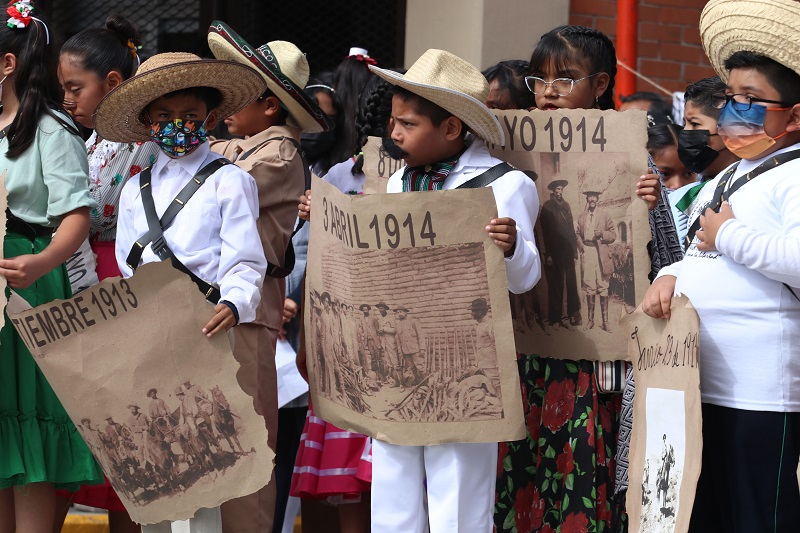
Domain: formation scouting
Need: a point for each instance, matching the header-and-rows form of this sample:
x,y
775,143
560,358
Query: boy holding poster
x,y
435,102
745,235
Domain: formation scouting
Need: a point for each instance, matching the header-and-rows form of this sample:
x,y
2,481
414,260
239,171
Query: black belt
x,y
28,230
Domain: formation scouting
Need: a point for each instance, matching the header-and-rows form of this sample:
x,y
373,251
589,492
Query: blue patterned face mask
x,y
178,137
742,130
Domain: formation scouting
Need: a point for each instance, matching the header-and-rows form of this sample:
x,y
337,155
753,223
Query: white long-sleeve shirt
x,y
516,197
214,235
749,321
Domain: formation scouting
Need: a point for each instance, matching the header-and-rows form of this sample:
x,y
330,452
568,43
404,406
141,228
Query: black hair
x,y
35,82
374,112
657,104
783,79
662,136
101,50
284,111
424,107
567,45
348,82
510,75
700,92
209,95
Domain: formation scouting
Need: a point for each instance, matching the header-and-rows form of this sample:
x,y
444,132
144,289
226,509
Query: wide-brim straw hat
x,y
119,115
454,85
282,65
765,27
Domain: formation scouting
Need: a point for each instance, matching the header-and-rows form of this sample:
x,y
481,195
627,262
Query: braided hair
x,y
374,112
568,45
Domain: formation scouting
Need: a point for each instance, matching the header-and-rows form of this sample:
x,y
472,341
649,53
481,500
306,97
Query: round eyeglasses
x,y
562,86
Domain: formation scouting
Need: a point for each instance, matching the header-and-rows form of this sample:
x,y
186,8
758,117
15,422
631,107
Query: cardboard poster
x,y
667,439
594,260
157,402
408,327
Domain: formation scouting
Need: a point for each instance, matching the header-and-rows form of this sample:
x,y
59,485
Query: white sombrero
x,y
282,65
453,84
765,27
119,115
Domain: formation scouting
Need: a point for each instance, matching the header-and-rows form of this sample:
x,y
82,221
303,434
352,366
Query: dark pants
x,y
748,481
290,426
560,272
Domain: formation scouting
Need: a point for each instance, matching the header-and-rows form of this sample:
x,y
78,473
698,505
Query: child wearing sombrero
x,y
434,105
742,274
192,206
271,127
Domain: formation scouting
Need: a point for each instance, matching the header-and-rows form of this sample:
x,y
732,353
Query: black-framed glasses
x,y
741,102
562,86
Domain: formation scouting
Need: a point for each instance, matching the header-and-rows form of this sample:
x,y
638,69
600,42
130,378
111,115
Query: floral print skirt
x,y
560,478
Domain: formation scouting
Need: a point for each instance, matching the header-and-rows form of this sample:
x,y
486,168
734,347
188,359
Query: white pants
x,y
460,487
204,521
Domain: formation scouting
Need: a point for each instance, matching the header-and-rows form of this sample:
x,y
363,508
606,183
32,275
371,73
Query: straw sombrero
x,y
766,27
282,65
453,84
118,115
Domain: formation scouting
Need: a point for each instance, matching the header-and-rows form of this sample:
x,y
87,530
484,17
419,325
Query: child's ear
x,y
271,106
794,119
453,128
9,64
113,79
602,82
212,119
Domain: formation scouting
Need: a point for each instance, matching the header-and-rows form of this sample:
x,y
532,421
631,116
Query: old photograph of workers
x,y
156,401
408,328
666,445
592,230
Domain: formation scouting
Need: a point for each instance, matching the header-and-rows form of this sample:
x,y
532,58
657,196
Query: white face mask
x,y
1,90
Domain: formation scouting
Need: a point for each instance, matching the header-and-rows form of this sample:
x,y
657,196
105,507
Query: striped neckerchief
x,y
429,177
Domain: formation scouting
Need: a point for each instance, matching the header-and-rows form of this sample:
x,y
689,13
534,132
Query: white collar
x,y
475,156
189,163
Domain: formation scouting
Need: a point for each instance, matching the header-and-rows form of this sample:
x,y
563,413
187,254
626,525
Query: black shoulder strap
x,y
723,192
156,226
273,270
482,180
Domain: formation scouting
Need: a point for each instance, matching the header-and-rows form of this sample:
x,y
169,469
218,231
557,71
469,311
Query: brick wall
x,y
669,49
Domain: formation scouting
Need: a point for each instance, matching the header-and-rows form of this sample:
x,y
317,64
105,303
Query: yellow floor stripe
x,y
86,523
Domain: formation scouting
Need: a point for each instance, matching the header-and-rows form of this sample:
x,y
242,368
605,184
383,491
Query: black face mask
x,y
316,145
391,148
694,151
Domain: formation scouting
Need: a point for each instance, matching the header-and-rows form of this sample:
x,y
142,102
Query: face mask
x,y
743,131
178,137
316,145
391,148
1,89
694,151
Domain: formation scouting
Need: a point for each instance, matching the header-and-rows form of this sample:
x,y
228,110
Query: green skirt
x,y
38,441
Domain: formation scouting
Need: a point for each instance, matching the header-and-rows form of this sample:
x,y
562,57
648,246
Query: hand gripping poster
x,y
592,230
666,442
156,401
407,321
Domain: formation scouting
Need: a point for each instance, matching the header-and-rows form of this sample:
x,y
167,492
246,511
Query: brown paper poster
x,y
3,207
666,442
156,401
378,166
408,330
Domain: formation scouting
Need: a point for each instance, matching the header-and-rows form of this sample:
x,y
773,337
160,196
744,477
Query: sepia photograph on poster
x,y
156,401
666,440
407,324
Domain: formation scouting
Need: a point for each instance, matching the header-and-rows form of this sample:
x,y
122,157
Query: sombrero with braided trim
x,y
282,65
765,27
454,85
119,115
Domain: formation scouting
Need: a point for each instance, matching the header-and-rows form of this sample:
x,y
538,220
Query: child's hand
x,y
304,207
710,223
658,297
290,309
22,271
648,188
223,320
503,232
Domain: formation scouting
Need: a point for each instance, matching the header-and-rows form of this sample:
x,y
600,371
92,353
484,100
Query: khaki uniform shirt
x,y
278,170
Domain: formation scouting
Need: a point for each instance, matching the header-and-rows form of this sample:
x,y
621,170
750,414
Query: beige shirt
x,y
278,170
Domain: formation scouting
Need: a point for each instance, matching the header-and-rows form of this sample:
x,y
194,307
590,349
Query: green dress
x,y
38,441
